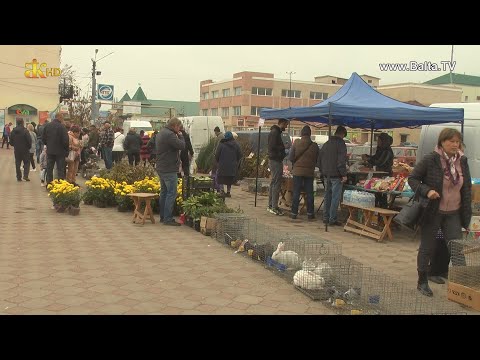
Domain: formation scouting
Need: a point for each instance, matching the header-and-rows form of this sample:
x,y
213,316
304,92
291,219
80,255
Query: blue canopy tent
x,y
357,105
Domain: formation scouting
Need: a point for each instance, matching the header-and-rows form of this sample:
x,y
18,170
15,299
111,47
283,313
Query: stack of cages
x,y
464,273
193,185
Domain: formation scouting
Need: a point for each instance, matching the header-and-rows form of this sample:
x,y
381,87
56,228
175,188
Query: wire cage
x,y
232,228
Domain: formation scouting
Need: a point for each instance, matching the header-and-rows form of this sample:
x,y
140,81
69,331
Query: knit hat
x,y
228,135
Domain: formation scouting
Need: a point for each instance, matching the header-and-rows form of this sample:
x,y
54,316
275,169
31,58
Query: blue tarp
x,y
357,105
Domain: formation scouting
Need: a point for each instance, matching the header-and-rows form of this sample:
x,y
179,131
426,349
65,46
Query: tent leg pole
x,y
258,163
371,141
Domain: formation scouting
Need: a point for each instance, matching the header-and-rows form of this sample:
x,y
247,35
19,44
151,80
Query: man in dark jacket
x,y
55,136
168,144
187,154
276,154
332,162
228,156
132,145
21,140
39,145
93,137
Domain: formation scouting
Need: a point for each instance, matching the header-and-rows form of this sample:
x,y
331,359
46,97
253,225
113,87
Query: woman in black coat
x,y
443,177
228,156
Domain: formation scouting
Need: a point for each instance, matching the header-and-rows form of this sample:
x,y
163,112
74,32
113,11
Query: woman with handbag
x,y
73,158
303,156
443,177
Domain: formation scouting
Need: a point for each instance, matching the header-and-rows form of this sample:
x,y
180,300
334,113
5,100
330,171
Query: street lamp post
x,y
93,111
290,95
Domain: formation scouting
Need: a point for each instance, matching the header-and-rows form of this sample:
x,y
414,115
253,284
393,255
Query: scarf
x,y
450,170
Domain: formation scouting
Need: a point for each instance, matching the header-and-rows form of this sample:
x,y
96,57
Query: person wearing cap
x,y
228,156
276,154
107,139
332,162
303,155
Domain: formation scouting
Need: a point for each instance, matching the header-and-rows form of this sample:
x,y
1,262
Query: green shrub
x,y
248,167
205,157
125,172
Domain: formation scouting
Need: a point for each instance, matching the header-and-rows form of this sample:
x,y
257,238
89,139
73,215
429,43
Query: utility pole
x,y
451,62
290,96
94,89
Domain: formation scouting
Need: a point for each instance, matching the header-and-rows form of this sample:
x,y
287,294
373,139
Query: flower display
x,y
122,189
148,185
100,190
64,194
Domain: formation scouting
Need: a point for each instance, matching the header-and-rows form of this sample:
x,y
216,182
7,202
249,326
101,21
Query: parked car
x,y
409,144
407,155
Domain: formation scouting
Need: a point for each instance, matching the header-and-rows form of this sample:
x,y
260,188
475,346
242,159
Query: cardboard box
x,y
207,225
475,223
464,295
476,193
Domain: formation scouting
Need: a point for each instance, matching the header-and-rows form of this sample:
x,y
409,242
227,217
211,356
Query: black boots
x,y
422,285
436,279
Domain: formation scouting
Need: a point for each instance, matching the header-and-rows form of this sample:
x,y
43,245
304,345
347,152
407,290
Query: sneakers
x,y
26,179
277,212
34,169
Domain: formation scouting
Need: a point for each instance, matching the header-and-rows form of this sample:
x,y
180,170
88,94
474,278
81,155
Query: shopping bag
x,y
412,213
72,154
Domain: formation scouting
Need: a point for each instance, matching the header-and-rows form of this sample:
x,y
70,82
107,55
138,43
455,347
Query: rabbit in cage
x,y
324,270
288,258
308,280
308,265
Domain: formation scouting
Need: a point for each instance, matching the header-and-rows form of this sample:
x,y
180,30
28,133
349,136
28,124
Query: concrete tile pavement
x,y
101,263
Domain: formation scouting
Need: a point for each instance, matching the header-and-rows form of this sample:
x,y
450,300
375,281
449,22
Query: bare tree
x,y
78,105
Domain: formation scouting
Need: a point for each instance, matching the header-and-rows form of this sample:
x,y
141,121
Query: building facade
x,y
29,79
469,84
239,100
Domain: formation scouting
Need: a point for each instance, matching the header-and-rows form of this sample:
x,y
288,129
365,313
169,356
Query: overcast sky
x,y
168,72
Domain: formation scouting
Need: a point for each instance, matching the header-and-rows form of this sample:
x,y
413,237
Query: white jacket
x,y
118,141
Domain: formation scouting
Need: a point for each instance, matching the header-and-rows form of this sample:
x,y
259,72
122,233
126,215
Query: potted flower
x,y
124,202
149,185
100,191
64,196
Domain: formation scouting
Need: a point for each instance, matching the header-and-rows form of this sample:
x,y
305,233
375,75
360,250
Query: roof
x,y
456,78
357,105
125,97
186,108
140,96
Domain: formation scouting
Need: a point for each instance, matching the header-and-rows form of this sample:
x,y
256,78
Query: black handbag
x,y
412,213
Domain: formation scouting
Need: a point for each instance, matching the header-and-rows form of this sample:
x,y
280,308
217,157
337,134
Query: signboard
x,y
105,92
132,107
261,121
64,109
22,110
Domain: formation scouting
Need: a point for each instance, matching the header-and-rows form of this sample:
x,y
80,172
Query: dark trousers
x,y
61,164
441,257
25,158
32,162
305,182
134,156
452,230
5,140
117,157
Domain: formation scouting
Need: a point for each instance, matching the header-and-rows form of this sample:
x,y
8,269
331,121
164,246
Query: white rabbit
x,y
308,280
324,270
288,258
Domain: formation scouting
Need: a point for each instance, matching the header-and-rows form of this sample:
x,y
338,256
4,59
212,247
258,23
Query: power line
x,y
37,92
16,83
21,67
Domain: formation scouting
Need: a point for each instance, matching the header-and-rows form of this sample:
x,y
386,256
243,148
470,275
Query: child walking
x,y
43,166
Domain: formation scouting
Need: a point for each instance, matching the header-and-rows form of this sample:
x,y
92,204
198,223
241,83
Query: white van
x,y
471,134
138,125
200,129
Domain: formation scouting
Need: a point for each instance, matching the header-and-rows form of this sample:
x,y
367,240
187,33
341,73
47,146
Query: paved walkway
x,y
101,263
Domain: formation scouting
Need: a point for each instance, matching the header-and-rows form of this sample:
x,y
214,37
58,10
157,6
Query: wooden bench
x,y
366,228
138,199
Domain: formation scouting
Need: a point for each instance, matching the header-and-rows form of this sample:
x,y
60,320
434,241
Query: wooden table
x,y
138,199
366,228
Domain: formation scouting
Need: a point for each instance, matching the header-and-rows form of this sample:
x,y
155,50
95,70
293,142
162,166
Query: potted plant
x,y
100,191
124,202
64,196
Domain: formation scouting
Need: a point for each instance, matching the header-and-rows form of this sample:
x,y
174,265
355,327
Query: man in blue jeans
x,y
168,144
332,162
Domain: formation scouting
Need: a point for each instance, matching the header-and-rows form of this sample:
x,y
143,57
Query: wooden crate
x,y
207,225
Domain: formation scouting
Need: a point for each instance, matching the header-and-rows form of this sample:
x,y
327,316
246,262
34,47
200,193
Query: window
x,y
214,111
226,92
205,112
261,91
466,98
478,97
205,96
403,138
215,94
237,91
369,81
237,110
225,112
291,93
240,122
255,110
318,95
